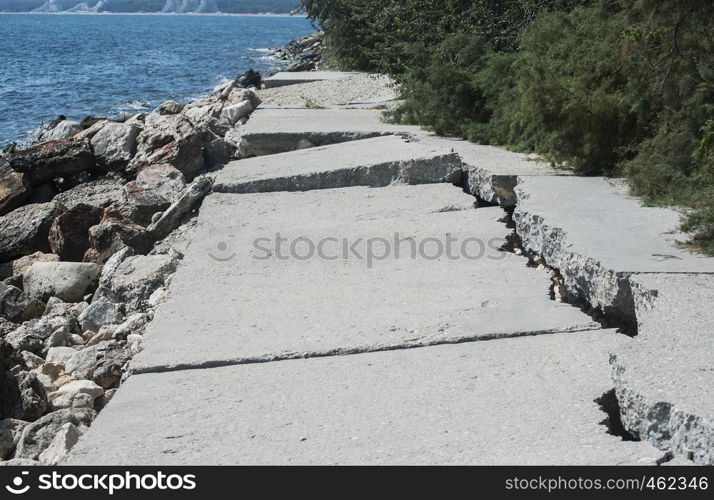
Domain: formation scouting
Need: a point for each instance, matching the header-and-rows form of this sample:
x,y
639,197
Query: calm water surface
x,y
80,65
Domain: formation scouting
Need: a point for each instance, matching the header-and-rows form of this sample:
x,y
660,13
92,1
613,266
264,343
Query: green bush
x,y
604,87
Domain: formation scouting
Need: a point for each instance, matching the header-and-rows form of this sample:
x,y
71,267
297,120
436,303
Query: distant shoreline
x,y
214,14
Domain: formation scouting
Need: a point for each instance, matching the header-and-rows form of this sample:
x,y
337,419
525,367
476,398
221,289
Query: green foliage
x,y
604,87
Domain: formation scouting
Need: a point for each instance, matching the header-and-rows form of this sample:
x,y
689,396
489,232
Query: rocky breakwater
x,y
89,223
303,54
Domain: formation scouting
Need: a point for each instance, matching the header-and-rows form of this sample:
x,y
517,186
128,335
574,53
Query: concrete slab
x,y
510,401
664,378
238,298
492,172
271,131
370,162
597,236
284,78
363,90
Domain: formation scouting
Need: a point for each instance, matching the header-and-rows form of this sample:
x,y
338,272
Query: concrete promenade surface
x,y
346,299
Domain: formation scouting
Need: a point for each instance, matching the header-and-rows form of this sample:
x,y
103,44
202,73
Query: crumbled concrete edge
x,y
439,168
496,189
661,423
584,276
269,143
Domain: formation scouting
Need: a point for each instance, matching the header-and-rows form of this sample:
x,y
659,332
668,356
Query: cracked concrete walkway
x,y
261,355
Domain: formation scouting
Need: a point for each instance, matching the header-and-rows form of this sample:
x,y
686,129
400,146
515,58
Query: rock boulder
x,y
53,159
69,233
25,230
69,281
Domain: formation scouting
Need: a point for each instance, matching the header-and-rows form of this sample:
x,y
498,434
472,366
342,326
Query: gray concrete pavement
x,y
272,131
508,401
492,172
263,357
284,78
258,307
369,162
597,236
664,378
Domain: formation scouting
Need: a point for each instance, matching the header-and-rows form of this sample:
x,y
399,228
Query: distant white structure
x,y
49,6
80,7
184,6
100,6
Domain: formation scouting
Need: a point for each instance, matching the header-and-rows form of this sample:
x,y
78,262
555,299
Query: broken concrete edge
x,y
585,277
440,168
417,344
263,144
661,423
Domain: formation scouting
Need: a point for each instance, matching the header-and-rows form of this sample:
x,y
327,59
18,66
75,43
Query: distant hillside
x,y
197,6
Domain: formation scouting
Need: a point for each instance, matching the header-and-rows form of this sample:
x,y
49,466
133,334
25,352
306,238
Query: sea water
x,y
101,65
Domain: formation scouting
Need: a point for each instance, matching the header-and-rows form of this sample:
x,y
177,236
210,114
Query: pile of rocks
x,y
89,219
303,54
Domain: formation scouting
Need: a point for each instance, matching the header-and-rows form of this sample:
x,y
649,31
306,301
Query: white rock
x,y
101,312
115,144
62,130
78,386
61,444
72,400
60,355
82,363
69,281
237,111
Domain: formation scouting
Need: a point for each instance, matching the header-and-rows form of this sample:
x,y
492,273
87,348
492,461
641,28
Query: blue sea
x,y
101,65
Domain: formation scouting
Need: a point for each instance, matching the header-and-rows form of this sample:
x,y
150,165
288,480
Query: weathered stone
x,y
6,326
61,444
169,108
39,435
13,188
174,140
235,112
115,145
189,199
30,336
78,386
25,230
114,233
63,130
10,432
134,324
59,356
23,397
60,401
100,313
219,152
69,233
154,189
112,357
19,266
70,281
31,361
20,462
100,193
135,279
91,130
49,160
82,363
17,306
